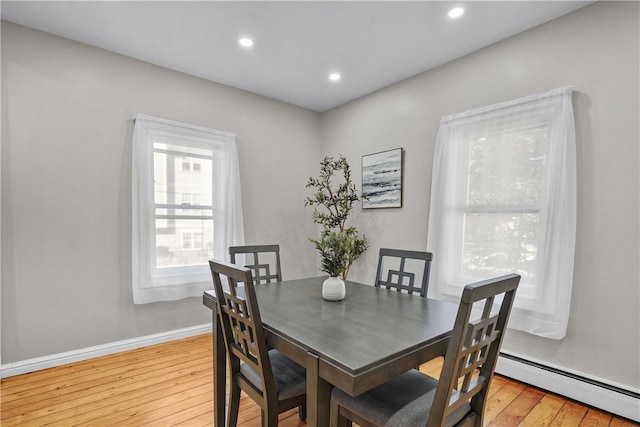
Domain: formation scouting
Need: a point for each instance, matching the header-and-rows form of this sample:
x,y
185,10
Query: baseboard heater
x,y
600,394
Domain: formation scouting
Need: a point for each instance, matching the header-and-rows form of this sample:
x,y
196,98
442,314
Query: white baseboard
x,y
44,362
615,398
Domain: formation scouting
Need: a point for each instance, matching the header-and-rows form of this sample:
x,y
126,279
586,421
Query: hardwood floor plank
x,y
501,399
57,384
497,383
184,414
70,389
151,410
596,418
433,367
94,394
85,413
178,411
170,384
545,411
83,409
620,422
570,415
204,419
291,419
514,413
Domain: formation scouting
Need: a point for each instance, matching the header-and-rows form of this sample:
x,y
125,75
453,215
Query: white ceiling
x,y
297,44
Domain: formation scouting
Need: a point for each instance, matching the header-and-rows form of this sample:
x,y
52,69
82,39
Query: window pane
x,y
507,168
195,183
198,241
186,240
190,242
160,177
182,242
500,243
173,175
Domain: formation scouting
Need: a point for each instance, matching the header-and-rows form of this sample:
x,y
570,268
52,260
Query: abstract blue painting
x,y
382,179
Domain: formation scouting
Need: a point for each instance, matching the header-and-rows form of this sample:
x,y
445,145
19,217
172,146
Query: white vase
x,y
333,289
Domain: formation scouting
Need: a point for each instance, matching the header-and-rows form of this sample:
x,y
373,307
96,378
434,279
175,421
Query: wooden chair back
x,y
264,272
242,329
473,350
401,278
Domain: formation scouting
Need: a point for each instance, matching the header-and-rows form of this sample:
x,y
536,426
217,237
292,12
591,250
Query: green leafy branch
x,y
339,246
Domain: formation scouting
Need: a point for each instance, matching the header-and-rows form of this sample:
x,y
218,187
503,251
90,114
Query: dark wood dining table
x,y
355,344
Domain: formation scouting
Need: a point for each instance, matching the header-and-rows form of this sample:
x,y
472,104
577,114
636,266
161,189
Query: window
x,y
504,200
190,165
194,240
186,207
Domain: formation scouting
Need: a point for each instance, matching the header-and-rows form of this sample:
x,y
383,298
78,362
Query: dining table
x,y
356,344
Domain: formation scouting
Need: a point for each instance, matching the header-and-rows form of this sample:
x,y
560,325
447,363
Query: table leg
x,y
219,373
318,394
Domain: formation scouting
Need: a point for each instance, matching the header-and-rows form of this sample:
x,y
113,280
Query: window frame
x,y
541,305
151,282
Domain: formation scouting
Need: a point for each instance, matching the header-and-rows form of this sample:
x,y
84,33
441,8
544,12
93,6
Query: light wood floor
x,y
171,385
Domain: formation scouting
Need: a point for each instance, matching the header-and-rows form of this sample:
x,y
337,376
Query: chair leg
x,y
302,412
335,418
234,405
269,418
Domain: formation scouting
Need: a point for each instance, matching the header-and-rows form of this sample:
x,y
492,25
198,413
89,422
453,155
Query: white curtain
x,y
503,199
152,281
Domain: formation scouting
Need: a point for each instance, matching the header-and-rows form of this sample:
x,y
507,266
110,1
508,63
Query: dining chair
x,y
262,272
397,270
272,380
459,397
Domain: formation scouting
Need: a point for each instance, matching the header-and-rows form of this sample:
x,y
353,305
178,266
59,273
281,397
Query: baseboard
x,y
38,363
615,398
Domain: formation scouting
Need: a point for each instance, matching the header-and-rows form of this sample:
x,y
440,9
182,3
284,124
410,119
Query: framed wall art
x,y
382,179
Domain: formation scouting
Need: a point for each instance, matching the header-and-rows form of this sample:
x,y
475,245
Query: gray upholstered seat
x,y
289,376
458,398
404,401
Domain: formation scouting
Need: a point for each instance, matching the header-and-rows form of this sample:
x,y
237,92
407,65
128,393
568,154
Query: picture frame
x,y
382,179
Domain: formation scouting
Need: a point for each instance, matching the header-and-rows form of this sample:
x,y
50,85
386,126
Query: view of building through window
x,y
183,205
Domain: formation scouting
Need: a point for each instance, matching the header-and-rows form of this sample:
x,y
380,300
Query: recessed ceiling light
x,y
456,12
245,42
334,77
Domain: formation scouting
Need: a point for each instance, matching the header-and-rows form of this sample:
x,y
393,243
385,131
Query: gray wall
x,y
66,129
595,49
66,178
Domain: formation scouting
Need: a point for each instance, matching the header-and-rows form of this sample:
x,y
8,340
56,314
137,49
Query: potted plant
x,y
339,246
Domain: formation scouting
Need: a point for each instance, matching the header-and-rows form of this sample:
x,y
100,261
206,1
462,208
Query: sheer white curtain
x,y
503,199
186,207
